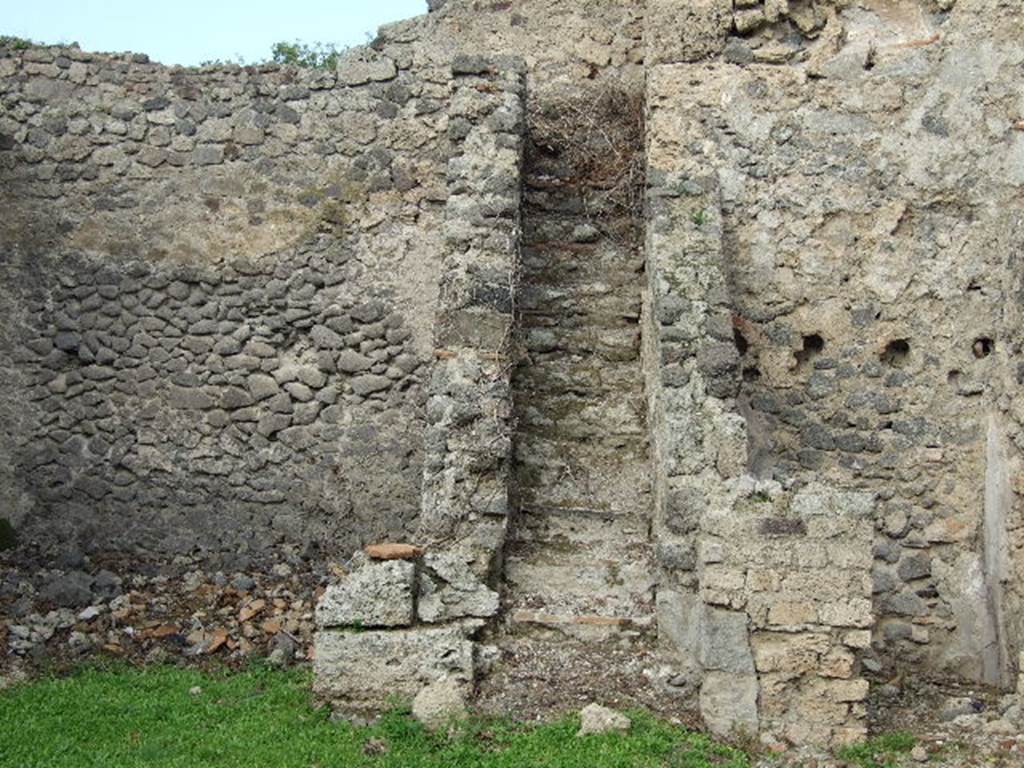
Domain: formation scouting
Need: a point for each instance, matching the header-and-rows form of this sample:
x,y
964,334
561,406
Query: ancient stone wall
x,y
222,287
255,304
784,613
846,201
866,264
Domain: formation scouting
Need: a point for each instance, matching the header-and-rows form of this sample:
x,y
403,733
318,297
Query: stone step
x,y
583,486
609,453
534,674
540,227
588,203
594,306
569,374
611,344
593,628
574,417
543,580
608,587
576,559
607,473
559,260
588,527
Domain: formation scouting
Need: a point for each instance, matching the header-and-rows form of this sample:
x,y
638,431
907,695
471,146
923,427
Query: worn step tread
x,y
524,616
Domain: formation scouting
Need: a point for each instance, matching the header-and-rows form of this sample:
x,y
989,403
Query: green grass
x,y
264,718
882,751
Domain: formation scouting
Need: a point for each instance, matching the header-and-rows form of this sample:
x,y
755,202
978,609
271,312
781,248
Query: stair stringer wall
x,y
764,598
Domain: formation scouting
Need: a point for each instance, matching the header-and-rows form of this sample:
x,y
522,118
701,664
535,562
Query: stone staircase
x,y
578,565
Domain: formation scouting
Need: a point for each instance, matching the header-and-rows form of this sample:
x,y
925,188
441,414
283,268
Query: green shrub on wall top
x,y
15,43
315,55
296,53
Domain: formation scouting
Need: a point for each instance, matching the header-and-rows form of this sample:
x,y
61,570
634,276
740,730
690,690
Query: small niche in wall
x,y
896,353
812,346
983,347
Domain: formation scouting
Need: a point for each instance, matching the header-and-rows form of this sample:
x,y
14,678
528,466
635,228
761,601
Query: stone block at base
x,y
369,671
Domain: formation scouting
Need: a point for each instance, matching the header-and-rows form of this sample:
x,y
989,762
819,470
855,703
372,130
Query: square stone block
x,y
368,671
380,594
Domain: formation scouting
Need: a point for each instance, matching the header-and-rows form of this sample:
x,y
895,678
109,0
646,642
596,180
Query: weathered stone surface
x,y
595,719
369,383
350,361
440,704
450,590
379,594
352,668
728,704
240,222
363,67
724,644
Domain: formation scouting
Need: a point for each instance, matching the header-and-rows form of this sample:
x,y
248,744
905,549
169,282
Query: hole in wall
x,y
983,347
742,345
812,346
870,58
953,378
896,353
751,374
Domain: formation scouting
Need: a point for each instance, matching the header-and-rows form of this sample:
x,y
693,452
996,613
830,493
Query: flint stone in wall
x,y
352,667
262,386
190,399
208,154
235,397
720,364
450,590
324,338
370,383
350,361
376,595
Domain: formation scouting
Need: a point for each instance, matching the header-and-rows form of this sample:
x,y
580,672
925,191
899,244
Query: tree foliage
x,y
300,54
15,43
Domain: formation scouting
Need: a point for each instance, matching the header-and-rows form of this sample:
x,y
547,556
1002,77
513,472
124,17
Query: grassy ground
x,y
883,751
263,718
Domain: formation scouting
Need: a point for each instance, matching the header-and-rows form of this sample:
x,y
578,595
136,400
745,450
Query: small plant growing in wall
x,y
699,217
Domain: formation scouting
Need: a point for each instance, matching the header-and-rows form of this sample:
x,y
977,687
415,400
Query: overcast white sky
x,y
190,31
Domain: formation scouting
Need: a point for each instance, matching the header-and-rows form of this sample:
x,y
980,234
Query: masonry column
x,y
407,615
